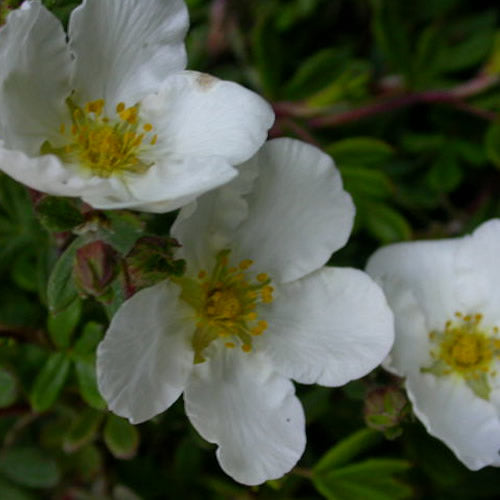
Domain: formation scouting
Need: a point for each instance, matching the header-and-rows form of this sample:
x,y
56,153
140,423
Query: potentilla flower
x,y
446,304
255,309
107,113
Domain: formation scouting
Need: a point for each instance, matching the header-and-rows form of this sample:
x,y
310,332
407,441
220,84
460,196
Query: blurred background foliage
x,y
405,97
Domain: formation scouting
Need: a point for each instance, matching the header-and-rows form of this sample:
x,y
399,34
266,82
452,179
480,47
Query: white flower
x,y
107,113
446,300
255,309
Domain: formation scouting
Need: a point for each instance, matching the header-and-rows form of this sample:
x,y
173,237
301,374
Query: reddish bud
x,y
95,268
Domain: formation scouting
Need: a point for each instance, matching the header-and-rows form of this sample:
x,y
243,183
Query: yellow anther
x,y
262,277
245,264
62,128
246,347
148,127
230,345
154,139
251,316
120,107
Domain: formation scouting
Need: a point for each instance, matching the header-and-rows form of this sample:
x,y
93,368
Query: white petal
x,y
329,327
478,272
197,114
125,48
168,185
208,224
47,174
236,401
35,68
145,359
450,411
298,212
428,269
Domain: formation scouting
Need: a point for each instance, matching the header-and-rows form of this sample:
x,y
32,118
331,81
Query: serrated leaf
x,y
347,449
30,467
360,151
61,289
58,214
121,438
8,388
62,325
49,381
87,383
82,430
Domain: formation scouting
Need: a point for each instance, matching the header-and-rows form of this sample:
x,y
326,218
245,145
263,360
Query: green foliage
x,y
404,96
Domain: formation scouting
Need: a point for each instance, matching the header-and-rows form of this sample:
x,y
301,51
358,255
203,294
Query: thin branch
x,y
454,97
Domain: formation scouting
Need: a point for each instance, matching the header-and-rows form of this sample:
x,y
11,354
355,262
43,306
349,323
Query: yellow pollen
x,y
225,300
262,277
102,145
154,139
466,349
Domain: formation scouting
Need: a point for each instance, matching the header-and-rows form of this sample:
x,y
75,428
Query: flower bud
x,y
385,409
95,268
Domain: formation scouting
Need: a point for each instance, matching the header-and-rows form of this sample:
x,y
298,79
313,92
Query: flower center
x,y
102,145
226,303
466,349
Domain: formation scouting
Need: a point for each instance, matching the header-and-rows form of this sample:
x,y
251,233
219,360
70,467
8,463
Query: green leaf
x,y
92,334
392,35
8,491
471,41
61,290
62,325
347,449
492,142
24,271
317,72
49,381
268,54
87,383
58,214
373,479
360,151
350,85
121,438
384,223
445,174
30,467
82,430
123,230
361,182
8,388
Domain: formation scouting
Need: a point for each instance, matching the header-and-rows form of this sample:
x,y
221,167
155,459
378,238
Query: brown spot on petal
x,y
206,82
